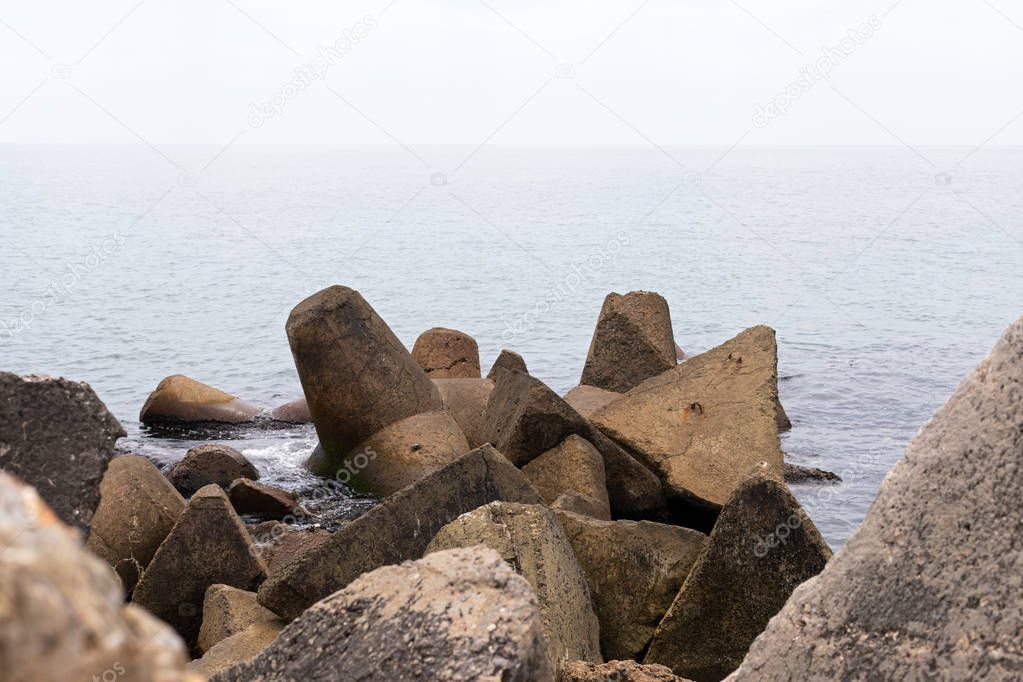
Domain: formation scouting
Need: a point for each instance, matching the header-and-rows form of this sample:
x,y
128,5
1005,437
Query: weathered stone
x,y
237,649
137,509
531,540
507,360
207,546
398,529
617,671
762,547
456,616
62,612
356,374
447,354
588,399
929,587
180,399
580,504
573,466
57,436
466,400
210,463
634,569
799,474
226,611
632,342
702,425
253,497
282,544
295,412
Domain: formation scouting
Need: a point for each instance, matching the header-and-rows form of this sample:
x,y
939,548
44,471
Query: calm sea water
x,y
887,273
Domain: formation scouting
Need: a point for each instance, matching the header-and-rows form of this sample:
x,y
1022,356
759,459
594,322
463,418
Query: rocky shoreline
x,y
639,527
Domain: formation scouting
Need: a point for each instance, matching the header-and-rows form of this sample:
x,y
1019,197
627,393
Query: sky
x,y
716,72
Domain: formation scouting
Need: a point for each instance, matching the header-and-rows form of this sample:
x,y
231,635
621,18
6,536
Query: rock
x,y
929,586
356,374
226,611
588,399
252,497
62,612
680,355
456,616
634,569
762,547
580,504
632,342
573,466
531,540
397,529
466,400
137,509
207,546
285,544
798,474
507,360
239,648
447,354
57,436
617,671
210,463
702,425
180,399
295,412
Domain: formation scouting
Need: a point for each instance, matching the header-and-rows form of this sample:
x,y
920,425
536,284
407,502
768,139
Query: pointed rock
x,y
447,354
507,360
181,399
573,466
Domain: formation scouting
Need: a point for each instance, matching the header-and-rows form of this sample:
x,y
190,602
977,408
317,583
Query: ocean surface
x,y
888,273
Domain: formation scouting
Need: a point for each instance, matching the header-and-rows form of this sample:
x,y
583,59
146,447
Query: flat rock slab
x,y
447,354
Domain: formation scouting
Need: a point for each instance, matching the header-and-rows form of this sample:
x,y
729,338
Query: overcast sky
x,y
512,71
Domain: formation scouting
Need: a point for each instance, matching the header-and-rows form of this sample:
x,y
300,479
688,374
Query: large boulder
x,y
62,611
507,360
617,671
239,648
588,399
210,463
57,436
456,616
207,546
762,547
137,509
704,424
530,539
226,611
252,497
447,354
398,529
929,587
634,569
466,400
295,412
180,399
573,466
632,342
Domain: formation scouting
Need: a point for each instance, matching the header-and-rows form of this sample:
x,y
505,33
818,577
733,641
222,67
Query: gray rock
x,y
799,474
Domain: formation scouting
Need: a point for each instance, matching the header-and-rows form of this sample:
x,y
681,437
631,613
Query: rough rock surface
x,y
617,671
929,587
466,400
447,354
398,529
210,463
239,648
762,547
57,436
588,399
531,540
631,342
573,466
283,544
207,546
634,569
799,474
252,497
295,412
456,616
137,509
226,611
507,360
704,424
181,399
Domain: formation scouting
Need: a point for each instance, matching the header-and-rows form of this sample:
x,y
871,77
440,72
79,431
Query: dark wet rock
x,y
181,399
800,474
447,354
588,399
226,611
210,463
573,466
295,412
252,497
466,401
507,360
617,671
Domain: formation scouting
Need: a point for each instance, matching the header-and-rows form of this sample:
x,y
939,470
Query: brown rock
x,y
137,509
466,400
447,354
252,497
507,360
210,463
226,611
579,504
573,466
631,343
680,355
237,649
295,412
588,399
800,474
617,671
283,545
181,399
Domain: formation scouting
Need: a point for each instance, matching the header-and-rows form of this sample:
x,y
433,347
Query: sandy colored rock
x,y
398,529
507,360
632,342
704,424
137,509
529,538
579,504
588,399
466,401
447,354
184,400
239,648
210,463
929,587
617,671
267,501
282,544
762,547
456,616
57,436
573,466
226,611
207,546
634,569
295,412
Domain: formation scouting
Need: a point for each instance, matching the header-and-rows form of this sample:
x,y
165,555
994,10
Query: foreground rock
x,y
57,436
62,613
237,649
574,466
929,586
466,401
702,425
507,360
530,538
137,509
617,671
210,463
398,529
447,354
253,497
588,399
762,547
180,399
460,615
295,412
207,546
632,342
226,611
634,569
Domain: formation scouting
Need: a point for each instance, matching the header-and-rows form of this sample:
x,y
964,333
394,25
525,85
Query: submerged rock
x,y
447,354
295,412
573,466
507,360
181,399
210,463
800,474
